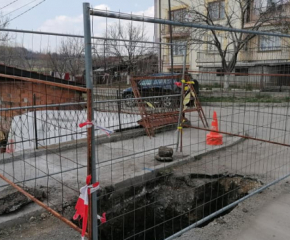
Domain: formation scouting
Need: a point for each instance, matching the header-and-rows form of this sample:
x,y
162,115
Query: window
x,y
261,6
220,72
246,47
242,71
216,10
269,43
178,47
178,15
147,82
181,15
165,83
247,16
212,47
157,82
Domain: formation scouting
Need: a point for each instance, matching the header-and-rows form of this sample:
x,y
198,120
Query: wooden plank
x,y
60,85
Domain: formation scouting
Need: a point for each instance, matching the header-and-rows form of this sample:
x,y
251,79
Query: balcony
x,y
266,56
210,57
177,62
246,56
177,32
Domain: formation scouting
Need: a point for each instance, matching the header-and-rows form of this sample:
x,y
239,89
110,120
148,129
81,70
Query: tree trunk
x,y
226,81
128,79
262,80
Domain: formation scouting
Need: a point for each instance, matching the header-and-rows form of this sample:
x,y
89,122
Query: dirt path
x,y
42,226
261,217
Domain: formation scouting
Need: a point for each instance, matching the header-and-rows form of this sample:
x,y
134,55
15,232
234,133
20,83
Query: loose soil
x,y
223,228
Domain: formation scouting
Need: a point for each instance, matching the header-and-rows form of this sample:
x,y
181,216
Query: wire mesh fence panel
x,y
36,149
43,100
150,190
186,127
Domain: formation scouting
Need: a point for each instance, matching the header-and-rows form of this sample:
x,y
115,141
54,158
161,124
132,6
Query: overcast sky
x,y
65,16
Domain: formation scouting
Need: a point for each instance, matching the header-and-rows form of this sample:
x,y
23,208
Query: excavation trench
x,y
161,207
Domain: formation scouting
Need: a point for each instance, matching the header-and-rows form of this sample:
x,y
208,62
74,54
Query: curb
x,y
33,209
117,136
21,216
239,141
154,174
201,155
241,104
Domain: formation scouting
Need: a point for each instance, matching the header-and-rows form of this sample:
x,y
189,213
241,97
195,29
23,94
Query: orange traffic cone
x,y
214,138
10,147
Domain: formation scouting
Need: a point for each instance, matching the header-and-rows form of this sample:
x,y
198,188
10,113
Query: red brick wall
x,y
18,94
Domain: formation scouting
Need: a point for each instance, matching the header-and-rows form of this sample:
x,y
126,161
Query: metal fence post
x,y
35,122
179,133
92,223
119,108
170,33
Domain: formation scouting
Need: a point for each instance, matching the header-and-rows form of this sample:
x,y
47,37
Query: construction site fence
x,y
152,186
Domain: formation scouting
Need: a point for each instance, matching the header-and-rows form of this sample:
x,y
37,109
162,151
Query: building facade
x,y
258,55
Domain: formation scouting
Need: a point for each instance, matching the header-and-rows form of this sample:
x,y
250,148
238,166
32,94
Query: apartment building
x,y
257,54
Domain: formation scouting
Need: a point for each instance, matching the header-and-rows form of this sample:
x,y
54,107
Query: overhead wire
x,y
28,10
9,4
19,8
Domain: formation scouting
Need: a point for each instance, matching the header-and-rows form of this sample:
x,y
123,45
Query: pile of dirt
x,y
12,200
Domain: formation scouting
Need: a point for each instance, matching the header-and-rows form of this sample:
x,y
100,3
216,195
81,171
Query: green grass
x,y
102,97
210,86
259,98
247,87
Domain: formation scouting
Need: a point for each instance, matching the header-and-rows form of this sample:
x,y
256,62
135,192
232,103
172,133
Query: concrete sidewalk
x,y
271,222
127,159
119,161
263,217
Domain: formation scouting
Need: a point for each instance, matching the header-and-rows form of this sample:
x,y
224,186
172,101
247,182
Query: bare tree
x,y
68,58
56,63
249,14
129,51
6,51
4,22
17,56
72,50
7,55
27,59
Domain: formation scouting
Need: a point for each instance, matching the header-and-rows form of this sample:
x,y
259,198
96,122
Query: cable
x,y
9,4
27,10
19,8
